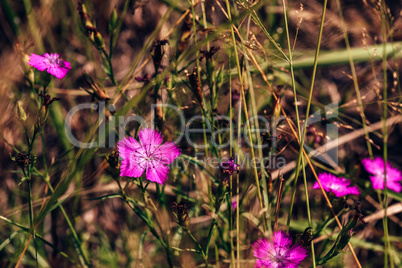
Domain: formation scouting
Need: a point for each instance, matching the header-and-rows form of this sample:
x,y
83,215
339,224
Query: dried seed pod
x,y
195,85
97,92
208,53
44,109
114,164
158,52
89,27
185,34
182,214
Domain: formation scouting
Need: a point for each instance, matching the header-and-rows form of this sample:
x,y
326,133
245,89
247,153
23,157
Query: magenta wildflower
x,y
51,63
376,168
229,166
338,186
279,252
150,155
234,205
227,169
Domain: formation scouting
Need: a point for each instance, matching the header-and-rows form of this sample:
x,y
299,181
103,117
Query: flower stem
x,y
204,256
308,210
106,58
131,203
257,181
83,256
302,134
387,244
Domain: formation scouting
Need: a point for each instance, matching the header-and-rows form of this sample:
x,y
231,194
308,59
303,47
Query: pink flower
x,y
338,186
278,253
234,205
227,169
51,63
376,168
150,155
229,166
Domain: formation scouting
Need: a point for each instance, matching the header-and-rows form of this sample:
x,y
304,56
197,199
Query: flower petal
x,y
166,153
38,62
150,139
276,253
134,161
297,253
374,166
261,248
157,172
57,71
377,182
339,186
393,174
128,146
131,168
281,239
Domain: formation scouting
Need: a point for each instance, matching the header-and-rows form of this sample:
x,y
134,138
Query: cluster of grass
x,y
224,79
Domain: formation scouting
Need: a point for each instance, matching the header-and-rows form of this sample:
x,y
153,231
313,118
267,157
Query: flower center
x,y
380,173
53,59
280,255
334,186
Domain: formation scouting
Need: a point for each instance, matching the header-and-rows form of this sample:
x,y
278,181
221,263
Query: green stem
x,y
199,77
257,182
83,257
387,244
211,229
204,256
106,58
355,82
131,203
303,134
118,27
308,210
31,223
258,134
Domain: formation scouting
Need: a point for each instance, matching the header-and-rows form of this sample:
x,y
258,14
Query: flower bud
x,y
99,41
114,164
158,53
277,109
97,92
227,168
44,109
89,27
305,238
182,214
23,159
186,31
42,115
21,112
195,85
22,50
113,20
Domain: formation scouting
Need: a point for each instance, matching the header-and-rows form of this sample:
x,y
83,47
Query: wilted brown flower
x,y
182,214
